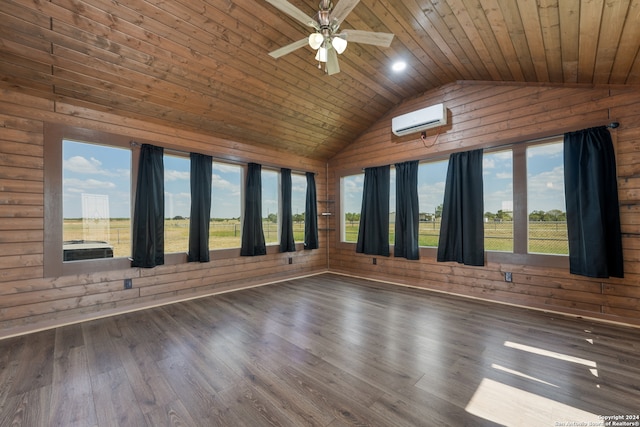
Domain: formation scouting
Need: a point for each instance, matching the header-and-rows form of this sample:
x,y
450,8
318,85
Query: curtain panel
x,y
287,242
462,228
148,216
593,212
407,211
311,214
253,242
373,234
200,219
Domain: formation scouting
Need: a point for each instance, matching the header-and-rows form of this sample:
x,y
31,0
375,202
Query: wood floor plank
x,y
173,414
115,400
72,400
38,350
27,409
327,351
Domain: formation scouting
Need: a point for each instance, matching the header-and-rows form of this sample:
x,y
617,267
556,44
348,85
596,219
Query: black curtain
x,y
593,213
287,243
200,208
407,211
148,216
373,234
252,232
311,214
462,229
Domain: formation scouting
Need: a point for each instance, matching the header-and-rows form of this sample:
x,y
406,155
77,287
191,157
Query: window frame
x,y
54,134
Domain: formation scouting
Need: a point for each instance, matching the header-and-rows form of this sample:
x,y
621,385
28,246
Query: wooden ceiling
x,y
203,65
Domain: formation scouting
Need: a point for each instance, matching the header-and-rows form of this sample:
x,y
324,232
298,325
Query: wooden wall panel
x,y
30,301
485,115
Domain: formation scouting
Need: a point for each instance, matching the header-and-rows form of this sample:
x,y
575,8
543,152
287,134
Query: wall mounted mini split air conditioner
x,y
419,120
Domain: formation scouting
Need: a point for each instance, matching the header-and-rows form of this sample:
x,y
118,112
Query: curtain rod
x,y
222,159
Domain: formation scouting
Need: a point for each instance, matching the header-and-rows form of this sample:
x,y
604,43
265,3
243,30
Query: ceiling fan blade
x,y
342,9
332,62
292,11
368,37
289,48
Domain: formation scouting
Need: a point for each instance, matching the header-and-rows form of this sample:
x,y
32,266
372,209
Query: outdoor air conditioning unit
x,y
419,120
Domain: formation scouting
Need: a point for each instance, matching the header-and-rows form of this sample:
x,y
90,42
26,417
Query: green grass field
x,y
544,237
223,234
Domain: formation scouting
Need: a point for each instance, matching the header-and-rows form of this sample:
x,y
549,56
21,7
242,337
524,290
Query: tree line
x,y
501,215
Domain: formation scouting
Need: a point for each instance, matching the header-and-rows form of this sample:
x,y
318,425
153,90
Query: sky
x,y
102,174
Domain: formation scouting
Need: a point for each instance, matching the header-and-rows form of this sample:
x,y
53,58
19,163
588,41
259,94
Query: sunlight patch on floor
x,y
553,354
520,374
507,405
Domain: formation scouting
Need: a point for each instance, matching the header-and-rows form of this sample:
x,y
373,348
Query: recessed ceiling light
x,y
399,66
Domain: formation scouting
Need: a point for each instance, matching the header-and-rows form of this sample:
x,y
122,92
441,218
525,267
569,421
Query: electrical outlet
x,y
290,260
507,277
375,261
128,283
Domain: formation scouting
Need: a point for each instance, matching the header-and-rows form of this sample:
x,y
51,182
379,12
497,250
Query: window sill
x,y
535,260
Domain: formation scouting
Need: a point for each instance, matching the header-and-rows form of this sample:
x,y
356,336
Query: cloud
x,y
226,168
554,149
81,164
174,175
73,185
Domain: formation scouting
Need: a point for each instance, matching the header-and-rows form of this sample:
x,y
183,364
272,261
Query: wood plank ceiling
x,y
203,65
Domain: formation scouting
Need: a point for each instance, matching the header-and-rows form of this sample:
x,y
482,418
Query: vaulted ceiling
x,y
203,65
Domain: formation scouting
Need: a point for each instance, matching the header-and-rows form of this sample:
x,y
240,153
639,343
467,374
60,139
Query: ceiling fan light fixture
x,y
316,40
339,44
321,56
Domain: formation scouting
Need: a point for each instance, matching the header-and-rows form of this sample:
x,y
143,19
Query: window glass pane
x,y
96,201
431,182
351,203
177,203
497,171
226,205
270,206
298,204
545,196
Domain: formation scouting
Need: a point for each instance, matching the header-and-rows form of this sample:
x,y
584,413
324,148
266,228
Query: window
x,y
226,205
270,206
96,193
497,176
298,204
351,204
88,182
177,203
524,202
431,181
547,219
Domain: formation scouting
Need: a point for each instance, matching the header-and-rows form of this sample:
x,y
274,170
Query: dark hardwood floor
x,y
326,350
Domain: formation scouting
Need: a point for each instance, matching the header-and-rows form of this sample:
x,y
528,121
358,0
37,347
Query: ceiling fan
x,y
326,40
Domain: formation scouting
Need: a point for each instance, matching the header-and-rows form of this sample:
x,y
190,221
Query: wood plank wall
x,y
491,114
30,301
